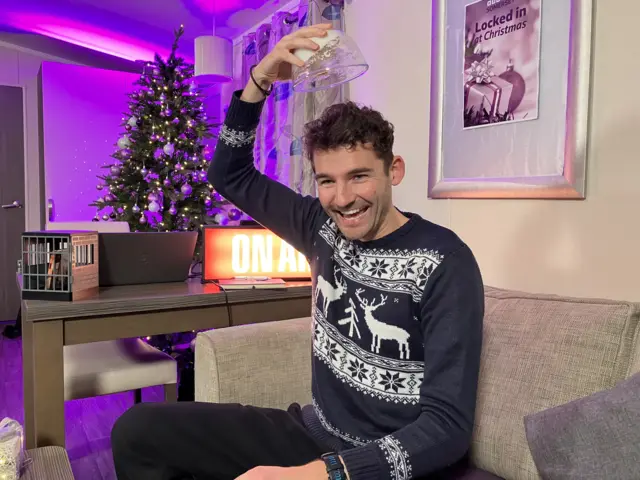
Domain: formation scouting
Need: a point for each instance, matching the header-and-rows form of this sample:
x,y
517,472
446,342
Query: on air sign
x,y
250,251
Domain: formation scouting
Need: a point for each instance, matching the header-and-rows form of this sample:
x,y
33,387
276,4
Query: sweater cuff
x,y
243,115
363,463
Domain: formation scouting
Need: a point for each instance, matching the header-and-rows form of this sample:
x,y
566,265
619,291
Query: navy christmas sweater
x,y
397,322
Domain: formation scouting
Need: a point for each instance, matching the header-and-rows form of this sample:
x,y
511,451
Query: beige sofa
x,y
539,351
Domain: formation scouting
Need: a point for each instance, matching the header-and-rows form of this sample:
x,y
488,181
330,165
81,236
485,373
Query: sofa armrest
x,y
263,364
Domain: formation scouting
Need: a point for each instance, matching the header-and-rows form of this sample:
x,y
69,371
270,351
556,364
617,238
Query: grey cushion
x,y
593,438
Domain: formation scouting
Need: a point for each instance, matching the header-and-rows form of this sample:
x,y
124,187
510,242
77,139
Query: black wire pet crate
x,y
60,265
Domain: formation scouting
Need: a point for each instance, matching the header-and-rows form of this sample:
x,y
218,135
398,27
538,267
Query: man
x,y
397,318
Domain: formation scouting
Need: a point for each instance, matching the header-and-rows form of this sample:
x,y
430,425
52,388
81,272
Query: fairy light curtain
x,y
278,151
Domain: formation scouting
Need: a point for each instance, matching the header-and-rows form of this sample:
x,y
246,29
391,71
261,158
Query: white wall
x,y
20,58
583,248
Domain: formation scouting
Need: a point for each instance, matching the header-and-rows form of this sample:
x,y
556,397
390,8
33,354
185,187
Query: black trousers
x,y
189,440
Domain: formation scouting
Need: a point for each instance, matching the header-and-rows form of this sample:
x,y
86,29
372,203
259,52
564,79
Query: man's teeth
x,y
352,213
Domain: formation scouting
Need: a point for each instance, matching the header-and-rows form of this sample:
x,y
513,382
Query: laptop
x,y
145,257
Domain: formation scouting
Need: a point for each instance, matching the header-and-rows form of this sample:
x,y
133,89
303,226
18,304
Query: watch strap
x,y
335,469
337,475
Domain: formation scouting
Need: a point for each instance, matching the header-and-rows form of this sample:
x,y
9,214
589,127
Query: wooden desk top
x,y
156,297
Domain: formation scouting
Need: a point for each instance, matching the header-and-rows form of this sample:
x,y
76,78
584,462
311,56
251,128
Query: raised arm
x,y
293,217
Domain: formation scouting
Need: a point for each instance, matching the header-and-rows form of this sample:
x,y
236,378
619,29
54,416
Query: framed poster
x,y
510,98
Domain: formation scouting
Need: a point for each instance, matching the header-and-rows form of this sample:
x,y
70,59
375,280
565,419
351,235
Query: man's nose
x,y
345,196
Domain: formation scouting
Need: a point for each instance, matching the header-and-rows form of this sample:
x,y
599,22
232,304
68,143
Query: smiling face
x,y
354,187
351,150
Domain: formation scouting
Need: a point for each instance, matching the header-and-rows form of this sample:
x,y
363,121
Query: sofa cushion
x,y
591,438
540,351
263,364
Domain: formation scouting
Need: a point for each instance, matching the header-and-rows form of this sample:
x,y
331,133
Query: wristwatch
x,y
335,469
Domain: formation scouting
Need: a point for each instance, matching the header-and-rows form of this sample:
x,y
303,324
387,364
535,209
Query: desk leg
x,y
43,372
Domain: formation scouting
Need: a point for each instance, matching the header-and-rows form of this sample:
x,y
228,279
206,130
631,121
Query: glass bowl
x,y
339,60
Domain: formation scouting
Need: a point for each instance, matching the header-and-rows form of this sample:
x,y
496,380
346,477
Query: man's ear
x,y
397,170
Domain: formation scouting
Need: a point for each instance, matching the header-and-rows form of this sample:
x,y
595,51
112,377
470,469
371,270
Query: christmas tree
x,y
158,181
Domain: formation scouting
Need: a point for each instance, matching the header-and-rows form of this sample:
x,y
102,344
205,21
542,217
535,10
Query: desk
x,y
126,312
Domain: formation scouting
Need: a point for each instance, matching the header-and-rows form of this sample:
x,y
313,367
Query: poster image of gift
x,y
501,62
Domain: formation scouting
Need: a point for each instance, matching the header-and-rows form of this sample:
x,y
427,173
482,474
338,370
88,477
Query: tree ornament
x,y
99,187
234,214
186,189
123,142
105,217
168,149
144,171
173,210
154,207
115,170
220,219
133,121
143,219
207,152
135,208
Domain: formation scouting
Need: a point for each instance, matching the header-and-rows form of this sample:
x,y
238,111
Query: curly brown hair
x,y
350,125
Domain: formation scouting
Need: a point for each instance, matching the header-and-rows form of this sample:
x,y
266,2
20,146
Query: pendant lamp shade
x,y
213,59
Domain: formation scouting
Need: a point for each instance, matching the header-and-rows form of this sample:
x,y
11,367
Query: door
x,y
11,197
